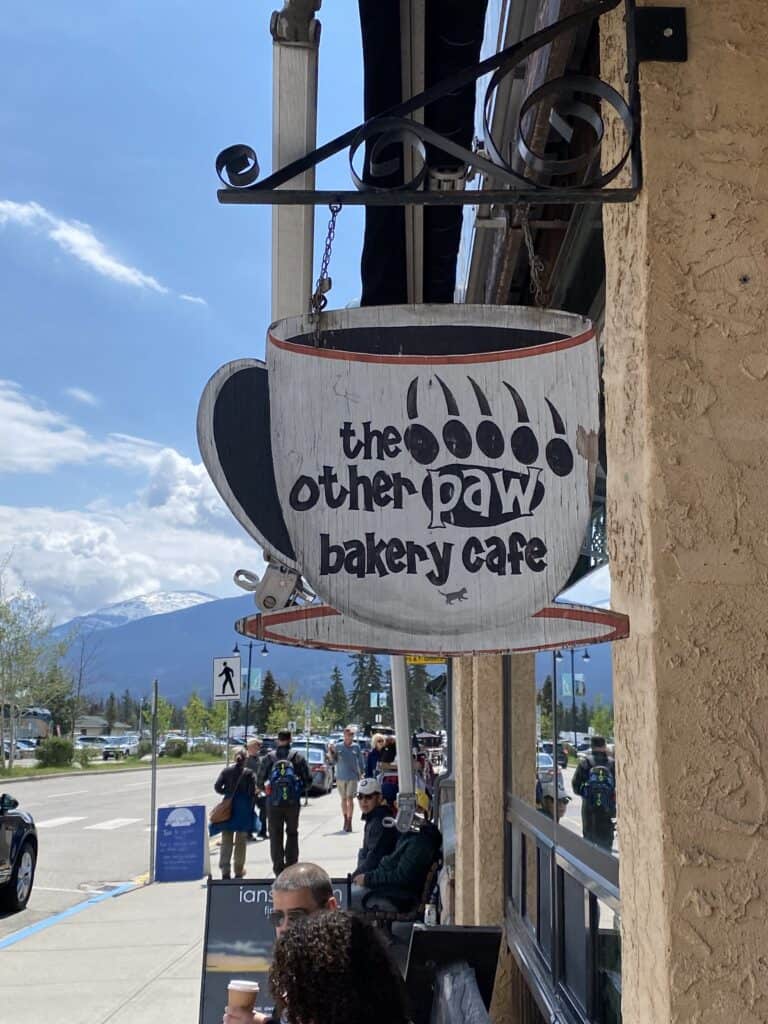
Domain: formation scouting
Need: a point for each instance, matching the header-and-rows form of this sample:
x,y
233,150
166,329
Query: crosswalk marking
x,y
107,826
56,822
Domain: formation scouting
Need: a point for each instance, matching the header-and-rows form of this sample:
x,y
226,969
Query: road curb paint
x,y
39,926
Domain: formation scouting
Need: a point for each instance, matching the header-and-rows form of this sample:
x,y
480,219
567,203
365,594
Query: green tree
x,y
360,693
601,718
335,707
423,709
217,717
196,715
165,711
110,712
127,707
262,709
544,700
27,657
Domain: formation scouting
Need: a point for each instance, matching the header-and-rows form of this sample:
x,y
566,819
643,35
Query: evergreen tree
x,y
127,708
335,706
110,712
544,700
360,694
423,711
262,708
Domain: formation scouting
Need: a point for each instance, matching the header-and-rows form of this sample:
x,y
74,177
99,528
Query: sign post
x,y
153,784
181,844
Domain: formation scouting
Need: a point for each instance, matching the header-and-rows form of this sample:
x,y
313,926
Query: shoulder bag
x,y
223,810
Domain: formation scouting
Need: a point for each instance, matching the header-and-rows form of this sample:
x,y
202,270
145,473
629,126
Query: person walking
x,y
348,759
374,756
285,776
239,784
254,763
595,782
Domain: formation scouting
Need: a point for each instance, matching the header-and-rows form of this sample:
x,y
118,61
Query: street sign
x,y
181,845
291,727
424,659
307,722
226,678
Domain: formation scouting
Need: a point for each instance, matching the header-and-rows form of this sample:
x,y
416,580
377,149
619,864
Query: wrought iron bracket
x,y
513,175
660,34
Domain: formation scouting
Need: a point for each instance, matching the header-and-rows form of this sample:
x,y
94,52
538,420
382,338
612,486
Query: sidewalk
x,y
137,957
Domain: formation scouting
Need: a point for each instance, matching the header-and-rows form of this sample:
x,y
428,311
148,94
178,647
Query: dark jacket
x,y
406,868
269,760
377,840
372,763
238,782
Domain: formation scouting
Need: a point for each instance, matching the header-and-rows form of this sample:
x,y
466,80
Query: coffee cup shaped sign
x,y
435,464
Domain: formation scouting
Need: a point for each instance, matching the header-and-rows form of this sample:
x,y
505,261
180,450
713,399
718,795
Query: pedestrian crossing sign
x,y
226,678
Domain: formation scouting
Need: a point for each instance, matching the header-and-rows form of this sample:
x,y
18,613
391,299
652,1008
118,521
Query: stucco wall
x,y
687,390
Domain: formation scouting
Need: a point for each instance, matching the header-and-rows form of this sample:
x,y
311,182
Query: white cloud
x,y
82,395
77,560
34,439
175,533
79,240
193,298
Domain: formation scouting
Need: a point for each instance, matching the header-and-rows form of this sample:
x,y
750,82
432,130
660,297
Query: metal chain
x,y
319,300
535,262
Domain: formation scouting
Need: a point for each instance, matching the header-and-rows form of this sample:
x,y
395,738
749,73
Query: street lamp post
x,y
264,652
573,702
236,650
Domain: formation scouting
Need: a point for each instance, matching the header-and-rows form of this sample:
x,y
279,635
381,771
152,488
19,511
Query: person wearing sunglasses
x,y
298,892
378,840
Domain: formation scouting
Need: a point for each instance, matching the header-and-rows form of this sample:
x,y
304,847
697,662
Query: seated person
x,y
378,841
398,882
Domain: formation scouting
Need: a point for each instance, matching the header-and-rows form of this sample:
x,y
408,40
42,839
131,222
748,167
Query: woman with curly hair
x,y
333,968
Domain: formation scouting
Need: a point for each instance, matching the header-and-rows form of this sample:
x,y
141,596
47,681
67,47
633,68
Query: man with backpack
x,y
285,775
595,782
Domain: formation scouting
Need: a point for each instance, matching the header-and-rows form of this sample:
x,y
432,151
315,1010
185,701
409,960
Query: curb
x,y
47,922
12,780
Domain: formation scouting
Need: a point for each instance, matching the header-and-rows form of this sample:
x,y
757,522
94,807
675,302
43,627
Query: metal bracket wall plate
x,y
660,34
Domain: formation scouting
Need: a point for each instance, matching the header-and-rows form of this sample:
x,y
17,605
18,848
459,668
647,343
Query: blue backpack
x,y
599,791
285,785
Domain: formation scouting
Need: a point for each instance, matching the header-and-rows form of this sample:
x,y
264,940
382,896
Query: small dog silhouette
x,y
454,595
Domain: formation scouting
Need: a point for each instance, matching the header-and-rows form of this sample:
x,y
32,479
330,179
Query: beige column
x,y
488,789
687,417
463,742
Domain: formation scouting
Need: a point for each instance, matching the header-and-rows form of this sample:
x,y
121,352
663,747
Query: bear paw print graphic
x,y
462,493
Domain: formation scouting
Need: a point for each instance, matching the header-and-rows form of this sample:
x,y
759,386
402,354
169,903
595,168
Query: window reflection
x,y
608,965
583,716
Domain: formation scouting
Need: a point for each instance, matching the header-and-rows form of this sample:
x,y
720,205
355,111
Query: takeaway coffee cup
x,y
241,994
434,465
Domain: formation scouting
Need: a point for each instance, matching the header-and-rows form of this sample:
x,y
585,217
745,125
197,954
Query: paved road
x,y
94,831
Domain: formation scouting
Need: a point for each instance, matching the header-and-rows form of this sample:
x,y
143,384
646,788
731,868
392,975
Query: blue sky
x,y
124,284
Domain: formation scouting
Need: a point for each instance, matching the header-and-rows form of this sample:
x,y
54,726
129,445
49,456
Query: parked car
x,y
18,855
97,745
114,748
545,767
547,747
322,771
21,748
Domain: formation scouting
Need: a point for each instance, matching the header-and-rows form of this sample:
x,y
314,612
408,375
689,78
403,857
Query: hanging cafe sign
x,y
437,495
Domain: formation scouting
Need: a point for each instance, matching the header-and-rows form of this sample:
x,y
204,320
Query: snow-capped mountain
x,y
122,612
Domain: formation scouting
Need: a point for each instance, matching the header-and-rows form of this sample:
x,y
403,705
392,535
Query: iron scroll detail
x,y
518,178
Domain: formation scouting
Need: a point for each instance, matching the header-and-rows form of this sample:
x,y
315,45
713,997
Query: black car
x,y
18,855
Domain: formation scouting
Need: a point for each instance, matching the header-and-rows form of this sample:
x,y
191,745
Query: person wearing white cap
x,y
548,798
378,840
